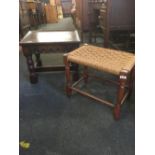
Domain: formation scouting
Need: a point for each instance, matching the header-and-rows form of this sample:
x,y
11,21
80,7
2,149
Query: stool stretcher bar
x,y
93,97
77,82
96,98
125,96
104,79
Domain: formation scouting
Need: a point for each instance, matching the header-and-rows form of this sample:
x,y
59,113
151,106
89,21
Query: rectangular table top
x,y
38,37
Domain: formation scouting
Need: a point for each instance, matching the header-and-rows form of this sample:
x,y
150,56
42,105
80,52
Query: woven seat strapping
x,y
103,59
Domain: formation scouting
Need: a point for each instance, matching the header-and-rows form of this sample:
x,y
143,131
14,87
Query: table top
x,y
38,37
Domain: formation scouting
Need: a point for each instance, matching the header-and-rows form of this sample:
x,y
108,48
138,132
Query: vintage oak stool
x,y
111,61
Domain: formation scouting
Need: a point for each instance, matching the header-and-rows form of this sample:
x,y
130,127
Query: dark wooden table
x,y
37,42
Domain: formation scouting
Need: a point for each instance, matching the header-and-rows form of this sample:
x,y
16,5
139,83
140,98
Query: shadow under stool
x,y
118,63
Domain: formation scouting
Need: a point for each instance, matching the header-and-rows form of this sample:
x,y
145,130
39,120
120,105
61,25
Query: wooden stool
x,y
111,61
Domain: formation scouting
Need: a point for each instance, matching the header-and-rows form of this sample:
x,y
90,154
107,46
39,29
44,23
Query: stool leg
x,y
131,82
68,77
121,92
85,74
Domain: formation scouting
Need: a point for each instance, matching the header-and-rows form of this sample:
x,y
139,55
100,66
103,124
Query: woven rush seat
x,y
118,63
103,59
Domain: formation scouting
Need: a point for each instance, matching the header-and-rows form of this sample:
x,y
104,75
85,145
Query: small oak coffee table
x,y
37,42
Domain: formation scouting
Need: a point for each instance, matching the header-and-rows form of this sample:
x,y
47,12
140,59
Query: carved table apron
x,y
37,42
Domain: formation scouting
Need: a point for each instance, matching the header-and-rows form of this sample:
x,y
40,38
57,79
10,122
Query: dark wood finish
x,y
81,14
68,77
84,13
115,15
131,81
121,14
37,42
104,21
24,21
41,14
79,17
37,13
31,14
93,22
30,64
38,60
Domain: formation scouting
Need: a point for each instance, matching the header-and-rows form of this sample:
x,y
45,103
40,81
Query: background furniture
x,y
114,16
31,14
41,14
118,63
56,9
94,13
24,21
37,42
84,13
66,7
117,16
51,13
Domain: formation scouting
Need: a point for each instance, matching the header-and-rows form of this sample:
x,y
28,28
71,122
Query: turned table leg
x,y
32,74
30,64
68,77
38,60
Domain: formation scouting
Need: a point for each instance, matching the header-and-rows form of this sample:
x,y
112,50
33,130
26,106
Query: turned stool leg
x,y
131,81
68,77
85,74
121,92
38,60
